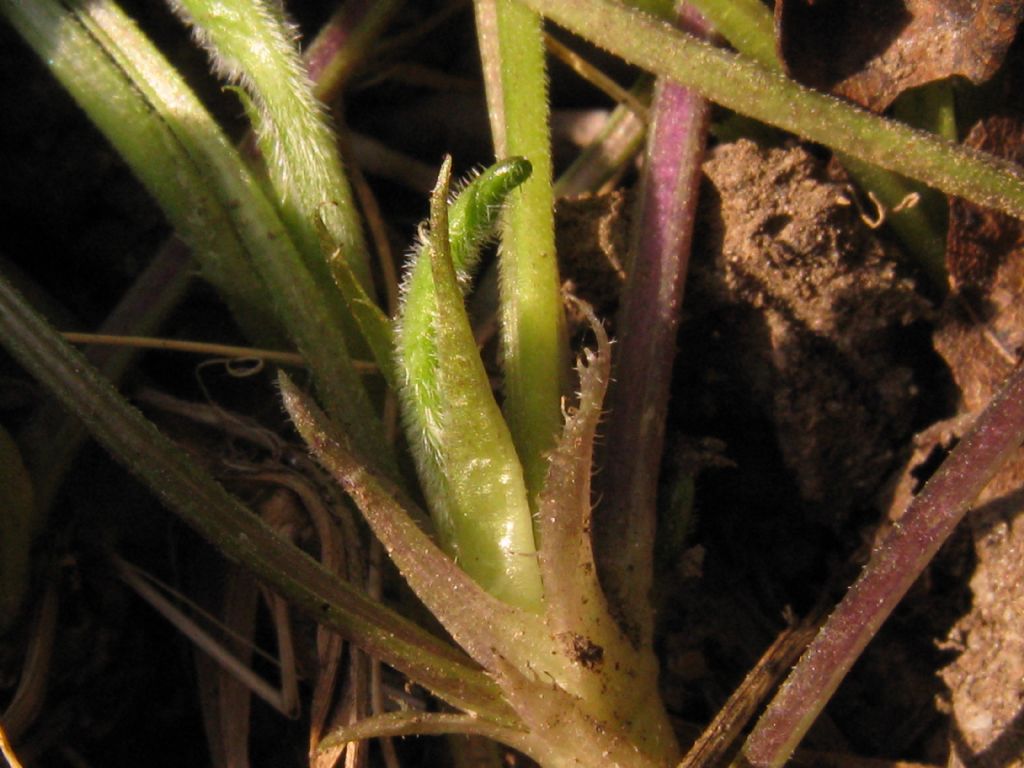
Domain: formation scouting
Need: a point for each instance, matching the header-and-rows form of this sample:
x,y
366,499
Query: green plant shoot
x,y
464,453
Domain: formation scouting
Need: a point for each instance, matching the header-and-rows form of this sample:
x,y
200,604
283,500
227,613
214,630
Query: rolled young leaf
x,y
464,452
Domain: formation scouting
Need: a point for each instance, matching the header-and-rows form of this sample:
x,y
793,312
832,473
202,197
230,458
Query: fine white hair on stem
x,y
251,44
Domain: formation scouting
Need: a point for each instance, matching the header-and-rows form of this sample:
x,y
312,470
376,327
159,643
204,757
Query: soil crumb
x,y
980,336
814,314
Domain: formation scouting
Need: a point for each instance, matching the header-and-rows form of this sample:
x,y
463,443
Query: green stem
x,y
533,324
747,25
748,88
52,437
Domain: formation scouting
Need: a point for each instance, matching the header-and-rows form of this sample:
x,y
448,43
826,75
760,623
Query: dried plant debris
x,y
979,336
870,51
982,328
979,238
590,235
810,312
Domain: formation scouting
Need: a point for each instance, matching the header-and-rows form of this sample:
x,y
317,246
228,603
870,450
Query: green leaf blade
x,y
156,124
201,502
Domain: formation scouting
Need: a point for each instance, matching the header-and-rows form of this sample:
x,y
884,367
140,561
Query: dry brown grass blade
x,y
717,739
227,702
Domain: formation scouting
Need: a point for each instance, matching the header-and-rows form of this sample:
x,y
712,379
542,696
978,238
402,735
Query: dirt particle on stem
x,y
582,650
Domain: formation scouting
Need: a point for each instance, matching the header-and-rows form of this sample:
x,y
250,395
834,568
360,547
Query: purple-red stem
x,y
659,255
893,568
341,44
